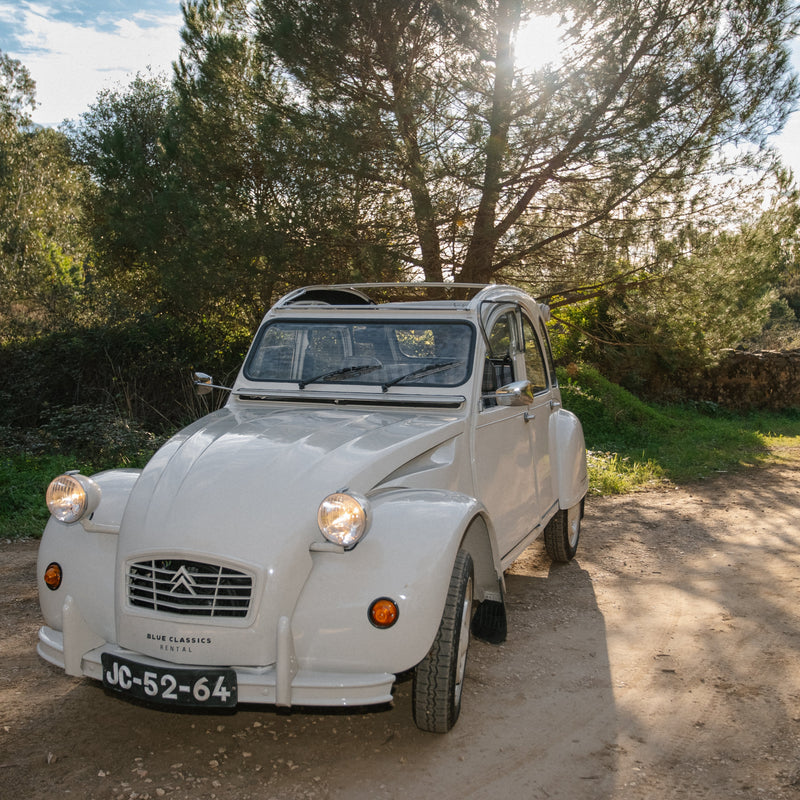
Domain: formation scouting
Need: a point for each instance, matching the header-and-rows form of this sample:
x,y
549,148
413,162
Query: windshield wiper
x,y
429,370
357,369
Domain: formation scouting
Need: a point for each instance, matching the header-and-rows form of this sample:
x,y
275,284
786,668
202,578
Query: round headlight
x,y
69,497
342,519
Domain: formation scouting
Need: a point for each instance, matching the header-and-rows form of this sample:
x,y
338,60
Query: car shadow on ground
x,y
556,675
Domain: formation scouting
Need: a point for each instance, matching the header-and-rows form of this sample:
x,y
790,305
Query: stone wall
x,y
743,380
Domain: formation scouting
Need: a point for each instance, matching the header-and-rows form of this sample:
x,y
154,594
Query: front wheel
x,y
563,532
439,677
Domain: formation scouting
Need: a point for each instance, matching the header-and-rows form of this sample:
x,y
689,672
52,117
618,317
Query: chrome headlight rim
x,y
343,518
71,497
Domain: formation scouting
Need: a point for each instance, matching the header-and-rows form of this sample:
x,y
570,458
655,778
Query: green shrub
x,y
139,371
97,434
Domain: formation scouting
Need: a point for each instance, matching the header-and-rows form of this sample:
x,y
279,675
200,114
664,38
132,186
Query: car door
x,y
541,374
503,463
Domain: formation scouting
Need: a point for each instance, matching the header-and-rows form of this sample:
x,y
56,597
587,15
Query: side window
x,y
551,368
501,337
498,369
534,359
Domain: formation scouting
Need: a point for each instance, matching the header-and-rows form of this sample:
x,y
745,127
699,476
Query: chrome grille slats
x,y
194,588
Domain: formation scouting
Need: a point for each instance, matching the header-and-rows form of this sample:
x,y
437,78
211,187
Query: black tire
x,y
563,532
439,677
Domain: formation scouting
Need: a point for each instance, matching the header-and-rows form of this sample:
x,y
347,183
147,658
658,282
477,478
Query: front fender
x,y
408,556
568,457
86,551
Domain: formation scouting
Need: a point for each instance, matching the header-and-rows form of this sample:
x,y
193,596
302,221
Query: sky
x,y
76,48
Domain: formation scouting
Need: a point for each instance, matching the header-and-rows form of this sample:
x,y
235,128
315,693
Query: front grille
x,y
177,586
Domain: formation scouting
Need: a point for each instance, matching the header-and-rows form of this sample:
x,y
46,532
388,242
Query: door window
x,y
548,354
537,372
498,368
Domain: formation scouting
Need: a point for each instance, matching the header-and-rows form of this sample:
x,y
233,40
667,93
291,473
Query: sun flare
x,y
538,43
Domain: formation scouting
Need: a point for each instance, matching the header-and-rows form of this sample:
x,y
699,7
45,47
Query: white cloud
x,y
71,62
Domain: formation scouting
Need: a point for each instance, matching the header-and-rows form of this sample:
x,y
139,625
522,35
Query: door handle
x,y
527,416
554,404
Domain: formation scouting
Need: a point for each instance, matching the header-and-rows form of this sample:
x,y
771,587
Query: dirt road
x,y
664,662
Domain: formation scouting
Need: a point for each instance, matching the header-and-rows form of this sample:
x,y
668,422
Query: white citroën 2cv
x,y
344,519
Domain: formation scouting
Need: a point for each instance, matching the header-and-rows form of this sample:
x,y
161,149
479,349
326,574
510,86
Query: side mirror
x,y
519,393
203,384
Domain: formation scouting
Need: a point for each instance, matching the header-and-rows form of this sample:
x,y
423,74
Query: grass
x,y
23,481
24,478
632,445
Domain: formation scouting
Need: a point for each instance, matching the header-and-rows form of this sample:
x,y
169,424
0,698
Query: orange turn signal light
x,y
53,576
383,612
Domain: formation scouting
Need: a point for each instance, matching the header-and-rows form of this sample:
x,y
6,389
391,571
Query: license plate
x,y
182,686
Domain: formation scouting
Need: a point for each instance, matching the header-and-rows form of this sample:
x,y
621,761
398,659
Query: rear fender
x,y
568,457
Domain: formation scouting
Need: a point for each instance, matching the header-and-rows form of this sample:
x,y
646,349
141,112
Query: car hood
x,y
257,474
240,489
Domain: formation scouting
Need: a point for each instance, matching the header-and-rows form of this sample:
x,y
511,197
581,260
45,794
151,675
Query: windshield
x,y
376,353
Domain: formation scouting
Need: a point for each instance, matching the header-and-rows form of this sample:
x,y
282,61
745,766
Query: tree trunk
x,y
424,213
478,267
